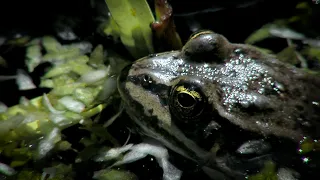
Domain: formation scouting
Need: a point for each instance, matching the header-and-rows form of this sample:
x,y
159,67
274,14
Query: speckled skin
x,y
242,91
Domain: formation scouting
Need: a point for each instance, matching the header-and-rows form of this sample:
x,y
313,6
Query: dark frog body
x,y
214,101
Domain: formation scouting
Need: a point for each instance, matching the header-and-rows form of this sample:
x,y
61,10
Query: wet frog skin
x,y
214,93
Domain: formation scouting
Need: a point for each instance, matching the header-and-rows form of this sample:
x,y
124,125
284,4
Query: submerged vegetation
x,y
81,93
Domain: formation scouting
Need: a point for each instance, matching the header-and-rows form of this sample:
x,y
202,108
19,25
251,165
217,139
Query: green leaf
x,y
50,44
268,172
288,55
259,35
33,57
96,57
133,18
312,52
3,62
114,174
264,32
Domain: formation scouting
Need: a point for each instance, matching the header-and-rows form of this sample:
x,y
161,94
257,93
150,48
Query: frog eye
x,y
187,101
206,46
199,33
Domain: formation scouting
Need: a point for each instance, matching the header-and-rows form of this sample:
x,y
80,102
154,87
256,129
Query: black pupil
x,y
186,100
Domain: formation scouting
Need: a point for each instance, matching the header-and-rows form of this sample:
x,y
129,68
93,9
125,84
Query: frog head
x,y
214,92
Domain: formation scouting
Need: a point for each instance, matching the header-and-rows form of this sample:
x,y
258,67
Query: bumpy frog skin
x,y
213,92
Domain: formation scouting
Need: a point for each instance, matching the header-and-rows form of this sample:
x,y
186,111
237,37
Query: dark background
x,y
234,19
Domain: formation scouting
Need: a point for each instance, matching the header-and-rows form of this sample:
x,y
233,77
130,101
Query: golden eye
x,y
187,102
187,97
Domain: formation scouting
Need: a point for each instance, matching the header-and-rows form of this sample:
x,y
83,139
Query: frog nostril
x,y
146,80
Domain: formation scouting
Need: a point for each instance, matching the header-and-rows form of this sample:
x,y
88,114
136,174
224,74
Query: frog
x,y
210,99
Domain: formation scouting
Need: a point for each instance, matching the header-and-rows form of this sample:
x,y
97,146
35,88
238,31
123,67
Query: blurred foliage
x,y
267,173
32,129
114,174
164,28
131,19
301,48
